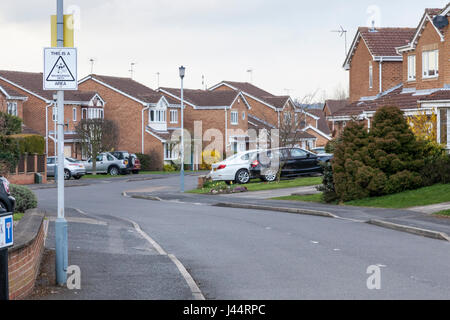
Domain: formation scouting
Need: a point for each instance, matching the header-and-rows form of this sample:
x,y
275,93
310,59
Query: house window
x,y
95,113
74,110
173,116
243,115
430,64
158,116
12,108
170,152
234,117
370,76
411,68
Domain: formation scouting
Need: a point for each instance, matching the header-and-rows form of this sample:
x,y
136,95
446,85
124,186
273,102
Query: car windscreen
x,y
71,160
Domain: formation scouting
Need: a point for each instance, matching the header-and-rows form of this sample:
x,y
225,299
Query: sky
x,y
289,44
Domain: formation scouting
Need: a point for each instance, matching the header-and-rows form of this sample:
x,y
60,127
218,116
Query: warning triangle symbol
x,y
60,72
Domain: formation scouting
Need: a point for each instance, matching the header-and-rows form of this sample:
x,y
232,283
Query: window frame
x,y
74,114
173,116
12,108
370,75
426,64
234,118
412,68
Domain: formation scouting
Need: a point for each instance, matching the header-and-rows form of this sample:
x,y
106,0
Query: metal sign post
x,y
6,241
60,73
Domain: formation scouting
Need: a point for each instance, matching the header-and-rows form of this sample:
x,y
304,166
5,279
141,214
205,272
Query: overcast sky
x,y
288,43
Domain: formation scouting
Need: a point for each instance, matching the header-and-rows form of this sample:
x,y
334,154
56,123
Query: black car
x,y
293,161
7,202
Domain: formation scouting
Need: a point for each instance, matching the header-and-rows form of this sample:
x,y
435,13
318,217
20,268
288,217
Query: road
x,y
250,254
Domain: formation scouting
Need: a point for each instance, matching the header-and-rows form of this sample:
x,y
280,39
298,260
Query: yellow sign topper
x,y
68,31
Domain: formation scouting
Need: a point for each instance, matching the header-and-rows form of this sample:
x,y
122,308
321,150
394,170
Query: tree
x,y
386,160
97,136
9,124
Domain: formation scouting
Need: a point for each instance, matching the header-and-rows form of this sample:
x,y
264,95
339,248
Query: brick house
x,y
425,79
11,102
268,109
37,108
146,118
373,63
215,119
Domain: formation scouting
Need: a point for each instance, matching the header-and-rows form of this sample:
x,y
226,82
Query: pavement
x,y
234,253
106,249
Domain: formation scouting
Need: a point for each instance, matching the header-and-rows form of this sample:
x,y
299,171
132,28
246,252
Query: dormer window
x,y
158,116
430,64
412,68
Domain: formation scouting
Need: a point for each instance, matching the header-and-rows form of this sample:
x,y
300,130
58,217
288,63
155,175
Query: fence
x,y
28,166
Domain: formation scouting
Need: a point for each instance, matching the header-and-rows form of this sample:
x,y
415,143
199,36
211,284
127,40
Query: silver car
x,y
72,168
107,163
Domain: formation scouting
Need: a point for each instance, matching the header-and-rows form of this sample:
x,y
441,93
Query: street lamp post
x,y
182,73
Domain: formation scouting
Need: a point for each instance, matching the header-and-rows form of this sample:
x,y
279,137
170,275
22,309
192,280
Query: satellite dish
x,y
440,22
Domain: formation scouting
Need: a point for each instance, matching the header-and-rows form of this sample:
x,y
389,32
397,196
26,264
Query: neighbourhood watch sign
x,y
60,69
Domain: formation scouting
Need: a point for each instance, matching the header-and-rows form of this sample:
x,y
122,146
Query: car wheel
x,y
270,175
114,171
77,177
67,175
242,176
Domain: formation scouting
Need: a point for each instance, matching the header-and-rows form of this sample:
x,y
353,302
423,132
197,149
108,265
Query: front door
x,y
68,151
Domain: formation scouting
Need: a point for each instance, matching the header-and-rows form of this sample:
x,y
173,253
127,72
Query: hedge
x,y
9,154
30,143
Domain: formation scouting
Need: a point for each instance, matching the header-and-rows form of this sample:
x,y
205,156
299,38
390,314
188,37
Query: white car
x,y
235,168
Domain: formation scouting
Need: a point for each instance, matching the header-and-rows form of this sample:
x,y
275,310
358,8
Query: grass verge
x,y
306,198
258,185
438,193
18,216
444,213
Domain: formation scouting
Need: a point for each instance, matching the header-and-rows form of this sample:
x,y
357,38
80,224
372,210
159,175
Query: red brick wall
x,y
127,114
258,109
33,110
429,40
359,74
24,266
4,106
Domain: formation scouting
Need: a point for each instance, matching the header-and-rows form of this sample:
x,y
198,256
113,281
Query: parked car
x,y
294,162
321,151
7,202
234,169
107,163
135,165
73,168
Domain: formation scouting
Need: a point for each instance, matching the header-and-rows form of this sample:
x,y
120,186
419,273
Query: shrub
x,y
30,143
145,161
209,157
25,198
327,187
388,159
436,170
151,161
10,124
170,168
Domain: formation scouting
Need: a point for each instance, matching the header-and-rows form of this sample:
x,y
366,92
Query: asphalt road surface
x,y
250,254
